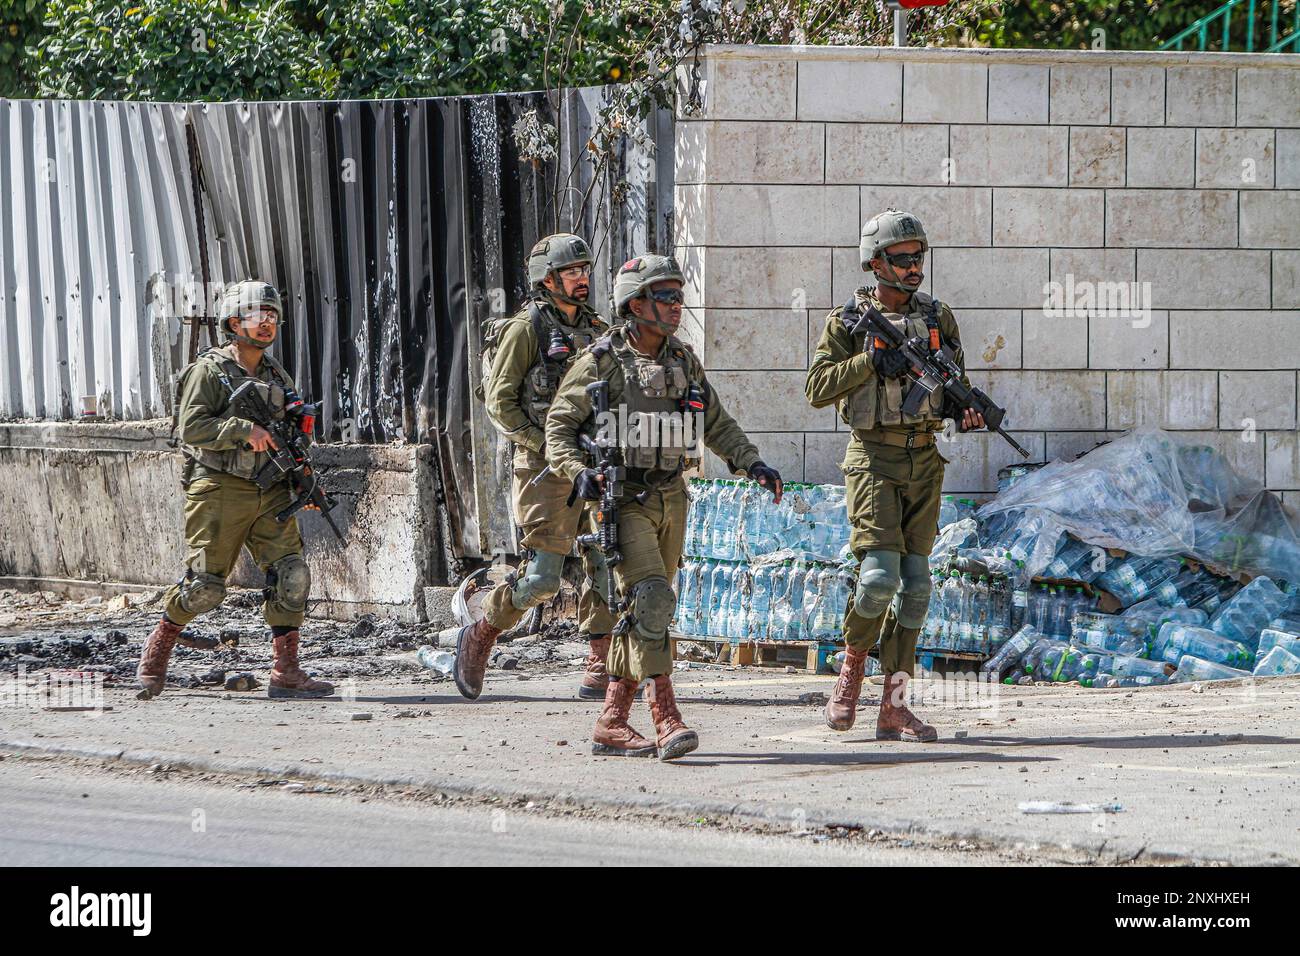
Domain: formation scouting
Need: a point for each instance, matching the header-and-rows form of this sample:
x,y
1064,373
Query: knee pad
x,y
540,581
651,604
878,581
913,598
201,591
288,581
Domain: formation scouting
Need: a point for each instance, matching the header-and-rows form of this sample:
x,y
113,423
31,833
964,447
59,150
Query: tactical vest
x,y
880,401
242,462
537,391
651,388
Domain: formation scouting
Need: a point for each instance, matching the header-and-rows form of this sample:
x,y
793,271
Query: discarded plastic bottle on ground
x,y
444,662
1011,652
1060,664
1276,662
1274,636
1248,613
1127,666
1192,668
1108,632
1175,640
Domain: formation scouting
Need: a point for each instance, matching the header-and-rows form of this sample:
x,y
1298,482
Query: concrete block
x,y
782,407
945,92
1047,400
1161,157
1125,342
1094,266
1287,175
1054,342
1286,279
952,215
1017,94
1268,96
1204,218
1010,155
782,450
1137,95
1048,217
989,278
1196,278
740,152
1168,399
745,89
1080,95
854,91
762,215
881,153
823,452
848,274
755,339
1200,96
1271,219
1282,466
1067,446
767,278
1234,158
437,606
1233,339
1097,156
990,338
1268,399
975,457
1291,505
1244,451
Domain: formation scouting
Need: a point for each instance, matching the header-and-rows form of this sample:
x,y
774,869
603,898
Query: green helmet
x,y
637,275
248,297
556,252
884,230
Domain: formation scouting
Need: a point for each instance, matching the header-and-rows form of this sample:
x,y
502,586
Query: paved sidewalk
x,y
1204,775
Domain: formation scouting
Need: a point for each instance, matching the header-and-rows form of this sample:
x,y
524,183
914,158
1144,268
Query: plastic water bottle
x,y
1060,663
760,601
715,621
1274,636
1276,662
981,612
688,592
1128,666
738,604
1191,668
723,524
1175,641
1248,613
444,662
796,596
700,619
1011,652
947,511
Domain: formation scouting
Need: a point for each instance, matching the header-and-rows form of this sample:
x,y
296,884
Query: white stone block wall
x,y
1178,172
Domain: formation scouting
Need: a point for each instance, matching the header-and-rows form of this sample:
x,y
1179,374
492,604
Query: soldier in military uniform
x,y
651,377
528,354
893,471
225,510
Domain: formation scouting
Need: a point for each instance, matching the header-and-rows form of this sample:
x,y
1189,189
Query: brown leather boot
x,y
152,672
675,738
473,645
842,709
614,736
287,678
896,721
595,679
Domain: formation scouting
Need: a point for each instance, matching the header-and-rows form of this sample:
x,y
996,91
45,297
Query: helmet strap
x,y
558,292
652,320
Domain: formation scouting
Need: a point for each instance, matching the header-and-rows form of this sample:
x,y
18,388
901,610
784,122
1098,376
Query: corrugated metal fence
x,y
392,228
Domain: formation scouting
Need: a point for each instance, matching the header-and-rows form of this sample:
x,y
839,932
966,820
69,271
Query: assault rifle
x,y
931,371
289,457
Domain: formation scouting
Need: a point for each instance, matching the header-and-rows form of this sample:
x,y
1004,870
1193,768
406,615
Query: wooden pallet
x,y
807,656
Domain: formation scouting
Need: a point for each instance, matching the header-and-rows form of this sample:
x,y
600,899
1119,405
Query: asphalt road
x,y
55,813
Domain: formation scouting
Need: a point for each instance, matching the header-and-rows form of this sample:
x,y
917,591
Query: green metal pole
x,y
1272,42
1250,28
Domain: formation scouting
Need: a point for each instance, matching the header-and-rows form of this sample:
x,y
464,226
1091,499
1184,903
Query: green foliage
x,y
20,26
1127,24
176,50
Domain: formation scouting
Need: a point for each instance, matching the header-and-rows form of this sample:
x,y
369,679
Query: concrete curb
x,y
1102,851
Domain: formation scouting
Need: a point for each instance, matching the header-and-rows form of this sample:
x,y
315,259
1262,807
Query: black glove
x,y
889,363
769,478
587,484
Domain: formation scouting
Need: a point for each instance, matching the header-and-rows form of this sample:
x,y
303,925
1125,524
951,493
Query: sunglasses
x,y
905,259
667,296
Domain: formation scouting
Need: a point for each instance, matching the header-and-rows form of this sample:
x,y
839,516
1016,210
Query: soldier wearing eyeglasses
x,y
525,357
893,472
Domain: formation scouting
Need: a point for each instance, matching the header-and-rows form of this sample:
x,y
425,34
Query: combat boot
x,y
896,721
842,709
595,679
473,645
674,737
614,736
152,672
287,678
